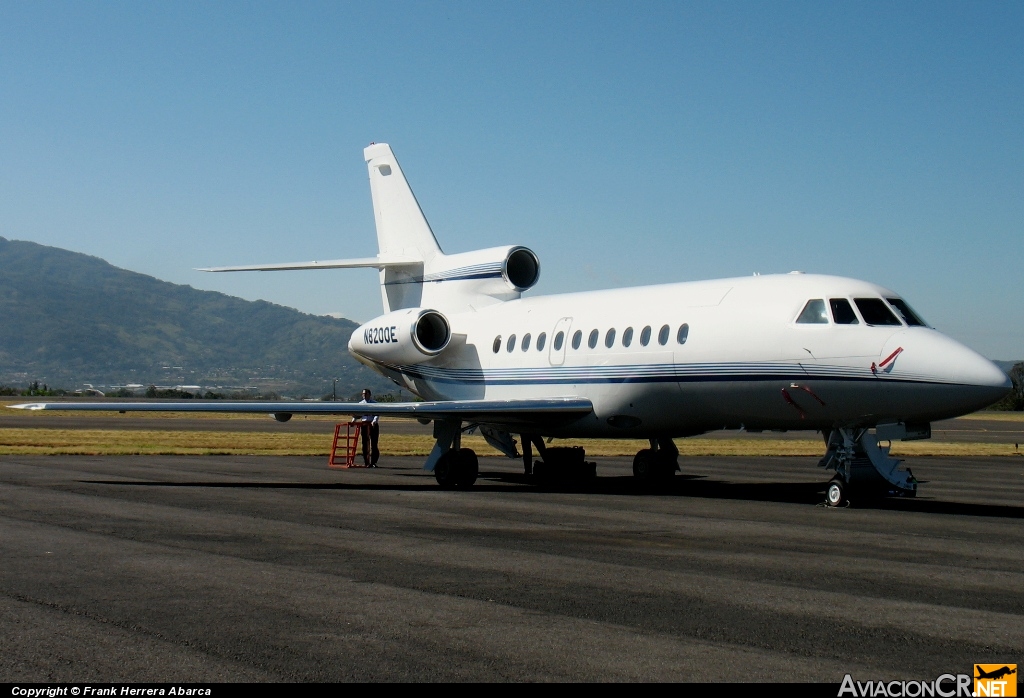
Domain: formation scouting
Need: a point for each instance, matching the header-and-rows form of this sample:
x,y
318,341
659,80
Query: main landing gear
x,y
658,464
863,469
453,465
457,468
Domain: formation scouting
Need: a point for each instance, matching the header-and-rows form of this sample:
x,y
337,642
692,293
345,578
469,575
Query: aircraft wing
x,y
507,413
357,263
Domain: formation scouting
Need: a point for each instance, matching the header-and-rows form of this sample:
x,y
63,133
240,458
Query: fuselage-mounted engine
x,y
472,280
403,337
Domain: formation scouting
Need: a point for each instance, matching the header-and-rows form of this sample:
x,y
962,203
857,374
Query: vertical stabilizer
x,y
402,229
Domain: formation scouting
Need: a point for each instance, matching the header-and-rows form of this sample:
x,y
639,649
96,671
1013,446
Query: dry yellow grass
x,y
156,442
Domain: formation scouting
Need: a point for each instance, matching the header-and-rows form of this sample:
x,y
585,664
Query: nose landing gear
x,y
863,469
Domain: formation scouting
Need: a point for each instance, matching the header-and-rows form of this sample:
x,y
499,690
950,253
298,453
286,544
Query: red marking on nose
x,y
891,357
787,398
811,393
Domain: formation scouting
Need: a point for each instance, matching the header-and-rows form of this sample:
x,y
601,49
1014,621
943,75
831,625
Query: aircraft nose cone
x,y
935,357
992,383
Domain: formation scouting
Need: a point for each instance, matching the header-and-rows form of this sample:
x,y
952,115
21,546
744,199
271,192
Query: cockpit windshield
x,y
842,312
908,315
814,313
875,311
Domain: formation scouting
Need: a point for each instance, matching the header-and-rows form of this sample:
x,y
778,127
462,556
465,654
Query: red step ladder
x,y
349,441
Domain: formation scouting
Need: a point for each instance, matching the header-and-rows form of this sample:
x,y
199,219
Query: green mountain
x,y
68,318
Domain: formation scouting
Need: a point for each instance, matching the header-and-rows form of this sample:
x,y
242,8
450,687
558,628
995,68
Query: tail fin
x,y
402,229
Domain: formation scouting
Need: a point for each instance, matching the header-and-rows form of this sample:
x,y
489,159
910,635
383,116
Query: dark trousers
x,y
369,434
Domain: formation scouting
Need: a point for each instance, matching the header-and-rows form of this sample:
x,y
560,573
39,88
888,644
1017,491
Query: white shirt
x,y
367,418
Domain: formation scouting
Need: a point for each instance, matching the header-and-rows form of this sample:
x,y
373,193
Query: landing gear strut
x,y
863,469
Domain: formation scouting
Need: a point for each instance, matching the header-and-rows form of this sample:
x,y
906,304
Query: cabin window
x,y
663,335
592,339
609,338
627,336
559,338
497,343
909,316
645,336
511,343
541,338
842,312
875,311
526,341
814,313
683,333
576,339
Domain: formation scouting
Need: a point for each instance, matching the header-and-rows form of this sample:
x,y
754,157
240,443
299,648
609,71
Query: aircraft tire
x,y
649,468
644,465
446,471
835,495
467,469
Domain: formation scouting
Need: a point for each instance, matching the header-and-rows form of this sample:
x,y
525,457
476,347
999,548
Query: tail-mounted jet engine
x,y
403,337
458,282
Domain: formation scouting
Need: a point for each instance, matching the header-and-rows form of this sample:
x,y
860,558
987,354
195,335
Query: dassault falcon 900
x,y
773,352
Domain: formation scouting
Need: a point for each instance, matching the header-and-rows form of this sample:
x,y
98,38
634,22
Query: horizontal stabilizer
x,y
501,412
363,262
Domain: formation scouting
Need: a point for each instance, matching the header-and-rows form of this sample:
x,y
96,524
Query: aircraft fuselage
x,y
744,358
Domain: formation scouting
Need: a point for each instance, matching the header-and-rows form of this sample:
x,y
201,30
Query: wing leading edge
x,y
508,413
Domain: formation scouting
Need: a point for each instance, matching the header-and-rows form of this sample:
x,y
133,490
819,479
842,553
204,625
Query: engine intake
x,y
521,269
403,337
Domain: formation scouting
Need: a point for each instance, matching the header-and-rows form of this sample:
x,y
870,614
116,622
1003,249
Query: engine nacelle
x,y
458,282
403,337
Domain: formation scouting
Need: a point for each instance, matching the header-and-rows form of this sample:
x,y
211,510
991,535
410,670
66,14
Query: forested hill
x,y
68,318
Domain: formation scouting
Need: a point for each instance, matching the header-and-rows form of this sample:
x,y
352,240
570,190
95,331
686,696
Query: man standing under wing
x,y
369,431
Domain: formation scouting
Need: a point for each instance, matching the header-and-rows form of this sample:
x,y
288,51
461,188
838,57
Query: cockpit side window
x,y
842,312
909,316
814,313
875,311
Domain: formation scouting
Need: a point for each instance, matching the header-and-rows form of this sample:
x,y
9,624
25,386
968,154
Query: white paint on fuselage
x,y
745,362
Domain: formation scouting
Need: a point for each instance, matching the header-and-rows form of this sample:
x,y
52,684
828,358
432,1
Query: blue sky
x,y
626,143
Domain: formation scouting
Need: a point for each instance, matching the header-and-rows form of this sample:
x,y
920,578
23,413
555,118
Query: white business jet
x,y
774,352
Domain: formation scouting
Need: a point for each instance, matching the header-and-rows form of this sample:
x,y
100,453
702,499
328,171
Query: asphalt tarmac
x,y
263,568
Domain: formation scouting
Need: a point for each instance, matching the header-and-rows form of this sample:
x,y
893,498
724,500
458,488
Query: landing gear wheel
x,y
457,469
653,467
468,468
446,472
644,465
835,495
